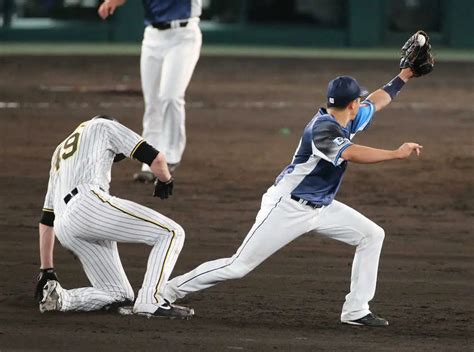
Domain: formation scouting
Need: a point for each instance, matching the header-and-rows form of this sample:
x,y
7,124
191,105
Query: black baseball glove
x,y
43,277
416,54
163,189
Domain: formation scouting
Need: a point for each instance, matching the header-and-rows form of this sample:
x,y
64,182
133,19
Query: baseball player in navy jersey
x,y
302,199
89,222
170,51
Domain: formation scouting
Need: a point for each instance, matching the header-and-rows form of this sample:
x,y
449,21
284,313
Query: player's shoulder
x,y
323,120
366,111
324,126
367,104
104,123
102,120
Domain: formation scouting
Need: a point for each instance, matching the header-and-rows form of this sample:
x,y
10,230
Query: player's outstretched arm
x,y
46,247
383,96
416,60
367,155
108,7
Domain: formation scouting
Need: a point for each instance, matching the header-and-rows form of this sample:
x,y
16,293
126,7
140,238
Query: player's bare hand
x,y
108,7
406,149
105,10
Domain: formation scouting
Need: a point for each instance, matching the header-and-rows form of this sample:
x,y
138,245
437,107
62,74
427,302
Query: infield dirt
x,y
244,119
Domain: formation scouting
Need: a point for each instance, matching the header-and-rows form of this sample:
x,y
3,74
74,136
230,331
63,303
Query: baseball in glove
x,y
416,54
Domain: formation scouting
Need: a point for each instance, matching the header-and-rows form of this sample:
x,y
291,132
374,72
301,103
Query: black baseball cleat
x,y
117,307
144,177
170,311
369,320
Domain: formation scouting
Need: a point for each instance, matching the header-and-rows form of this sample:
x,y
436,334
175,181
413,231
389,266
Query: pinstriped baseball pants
x,y
91,226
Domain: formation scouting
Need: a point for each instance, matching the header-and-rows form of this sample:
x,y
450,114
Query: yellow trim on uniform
x,y
134,215
136,147
163,267
152,222
47,209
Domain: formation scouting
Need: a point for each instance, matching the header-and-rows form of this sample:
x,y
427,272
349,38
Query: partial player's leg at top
x,y
167,63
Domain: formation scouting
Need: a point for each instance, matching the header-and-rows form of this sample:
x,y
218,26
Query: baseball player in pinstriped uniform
x,y
302,200
88,221
170,51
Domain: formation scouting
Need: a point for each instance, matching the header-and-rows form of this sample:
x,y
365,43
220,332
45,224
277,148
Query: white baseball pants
x,y
280,221
167,63
91,226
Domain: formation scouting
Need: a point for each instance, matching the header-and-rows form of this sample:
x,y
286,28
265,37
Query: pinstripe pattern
x,y
160,278
92,225
93,221
98,142
163,227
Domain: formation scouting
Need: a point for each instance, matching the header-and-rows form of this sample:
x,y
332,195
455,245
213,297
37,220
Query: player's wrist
x,y
397,154
405,74
393,87
47,269
168,180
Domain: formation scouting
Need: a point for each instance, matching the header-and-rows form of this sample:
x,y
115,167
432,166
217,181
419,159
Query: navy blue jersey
x,y
159,11
316,171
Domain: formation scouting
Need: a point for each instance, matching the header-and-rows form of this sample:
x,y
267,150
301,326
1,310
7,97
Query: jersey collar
x,y
323,111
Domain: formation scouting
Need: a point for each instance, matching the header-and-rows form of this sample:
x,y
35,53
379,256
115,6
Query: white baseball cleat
x,y
52,299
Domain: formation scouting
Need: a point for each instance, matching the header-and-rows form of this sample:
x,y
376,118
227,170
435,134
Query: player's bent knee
x,y
178,229
377,234
175,232
178,233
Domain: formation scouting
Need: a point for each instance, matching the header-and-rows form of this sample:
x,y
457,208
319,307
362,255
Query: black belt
x,y
306,202
70,195
167,25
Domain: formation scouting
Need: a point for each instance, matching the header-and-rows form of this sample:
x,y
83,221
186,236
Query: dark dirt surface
x,y
244,118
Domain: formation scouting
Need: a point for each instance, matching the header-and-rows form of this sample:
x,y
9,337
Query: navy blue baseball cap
x,y
342,90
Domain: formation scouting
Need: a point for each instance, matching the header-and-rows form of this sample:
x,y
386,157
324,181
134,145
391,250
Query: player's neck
x,y
342,116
